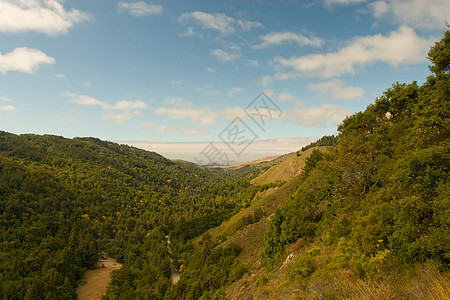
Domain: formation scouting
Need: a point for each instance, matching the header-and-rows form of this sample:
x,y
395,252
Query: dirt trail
x,y
174,275
92,286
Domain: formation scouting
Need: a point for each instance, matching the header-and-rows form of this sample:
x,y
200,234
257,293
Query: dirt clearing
x,y
92,286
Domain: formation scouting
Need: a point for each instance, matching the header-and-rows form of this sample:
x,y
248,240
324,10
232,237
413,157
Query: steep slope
x,y
251,236
266,202
287,167
370,219
248,226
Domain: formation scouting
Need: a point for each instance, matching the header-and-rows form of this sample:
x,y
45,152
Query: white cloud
x,y
208,89
189,32
129,105
49,16
127,109
69,119
279,38
217,21
203,115
148,124
269,93
248,25
69,115
7,108
184,110
120,118
6,99
398,48
140,8
252,63
86,100
429,14
265,80
174,101
379,8
166,129
210,70
24,60
233,91
178,81
232,113
334,88
284,97
194,132
342,2
224,56
59,76
317,116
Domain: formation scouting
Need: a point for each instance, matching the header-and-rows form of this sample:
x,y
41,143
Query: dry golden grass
x,y
430,284
287,167
423,282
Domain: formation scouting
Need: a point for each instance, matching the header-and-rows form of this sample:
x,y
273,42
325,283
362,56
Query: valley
x,y
361,215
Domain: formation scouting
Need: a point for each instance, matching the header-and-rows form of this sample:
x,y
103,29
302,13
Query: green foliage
x,y
382,196
206,271
439,55
326,140
253,218
377,200
63,201
298,218
305,265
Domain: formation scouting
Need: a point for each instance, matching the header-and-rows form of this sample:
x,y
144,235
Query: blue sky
x,y
182,71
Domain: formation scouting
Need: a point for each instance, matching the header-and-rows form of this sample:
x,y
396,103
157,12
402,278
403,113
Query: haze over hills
x,y
256,150
361,216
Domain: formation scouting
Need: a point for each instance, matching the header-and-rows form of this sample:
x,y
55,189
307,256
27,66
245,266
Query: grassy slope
x,y
287,167
269,200
251,237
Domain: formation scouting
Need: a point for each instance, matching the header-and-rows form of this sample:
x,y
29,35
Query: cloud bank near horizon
x,y
189,151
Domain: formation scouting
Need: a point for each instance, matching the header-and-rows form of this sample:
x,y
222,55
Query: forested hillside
x,y
62,201
366,217
378,204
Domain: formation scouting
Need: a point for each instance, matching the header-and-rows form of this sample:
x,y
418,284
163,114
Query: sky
x,y
206,80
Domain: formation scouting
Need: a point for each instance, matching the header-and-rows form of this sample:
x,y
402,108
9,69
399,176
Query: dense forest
x,y
373,208
65,200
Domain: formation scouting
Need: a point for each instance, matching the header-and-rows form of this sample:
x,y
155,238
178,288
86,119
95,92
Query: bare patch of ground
x,y
92,286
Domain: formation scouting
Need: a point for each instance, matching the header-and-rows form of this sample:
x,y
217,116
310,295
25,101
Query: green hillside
x,y
62,201
369,219
365,217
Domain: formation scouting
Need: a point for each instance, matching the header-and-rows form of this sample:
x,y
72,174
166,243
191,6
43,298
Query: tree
x,y
439,55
